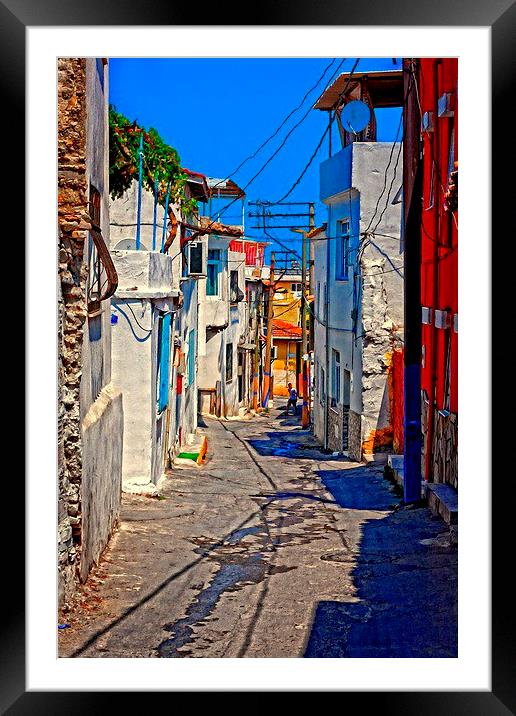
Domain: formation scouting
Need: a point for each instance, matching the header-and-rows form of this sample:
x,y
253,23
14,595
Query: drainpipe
x,y
156,186
165,217
140,181
412,165
327,331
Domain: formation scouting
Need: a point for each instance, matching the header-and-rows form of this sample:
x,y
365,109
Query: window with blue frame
x,y
343,241
214,269
163,358
191,357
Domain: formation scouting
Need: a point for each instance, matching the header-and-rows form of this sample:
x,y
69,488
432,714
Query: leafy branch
x,y
160,161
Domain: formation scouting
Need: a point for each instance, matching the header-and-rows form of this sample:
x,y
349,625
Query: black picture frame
x,y
500,16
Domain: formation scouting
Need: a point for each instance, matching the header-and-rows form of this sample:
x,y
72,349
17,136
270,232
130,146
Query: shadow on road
x,y
405,576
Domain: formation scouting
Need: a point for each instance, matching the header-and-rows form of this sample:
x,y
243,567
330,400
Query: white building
x,y
224,362
358,275
154,317
358,303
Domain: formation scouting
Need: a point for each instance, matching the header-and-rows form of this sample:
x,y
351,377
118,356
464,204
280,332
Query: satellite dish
x,y
128,245
355,116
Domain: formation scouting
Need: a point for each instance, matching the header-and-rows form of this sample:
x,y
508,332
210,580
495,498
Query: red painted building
x,y
254,251
437,95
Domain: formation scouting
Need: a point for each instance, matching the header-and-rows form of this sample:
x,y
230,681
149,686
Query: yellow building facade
x,y
286,333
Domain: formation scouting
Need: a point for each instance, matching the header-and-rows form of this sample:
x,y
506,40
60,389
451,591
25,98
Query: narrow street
x,y
271,549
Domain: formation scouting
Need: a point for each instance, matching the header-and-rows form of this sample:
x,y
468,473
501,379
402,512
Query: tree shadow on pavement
x,y
300,444
404,574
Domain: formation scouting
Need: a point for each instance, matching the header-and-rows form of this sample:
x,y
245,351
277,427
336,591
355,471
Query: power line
x,y
298,180
276,151
387,168
274,134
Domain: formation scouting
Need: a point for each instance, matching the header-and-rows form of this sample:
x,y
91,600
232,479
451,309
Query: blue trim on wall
x,y
164,362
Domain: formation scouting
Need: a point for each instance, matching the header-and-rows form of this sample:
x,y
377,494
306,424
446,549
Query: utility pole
x,y
304,218
305,413
309,347
256,368
267,369
311,250
412,192
305,417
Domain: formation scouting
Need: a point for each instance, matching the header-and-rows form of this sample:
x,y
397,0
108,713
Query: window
x,y
191,357
343,237
214,270
235,294
163,360
229,362
335,377
296,288
322,387
196,255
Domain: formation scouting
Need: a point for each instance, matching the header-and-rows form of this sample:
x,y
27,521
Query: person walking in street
x,y
292,399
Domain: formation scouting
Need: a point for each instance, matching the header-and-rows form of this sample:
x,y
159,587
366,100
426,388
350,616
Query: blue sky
x,y
217,111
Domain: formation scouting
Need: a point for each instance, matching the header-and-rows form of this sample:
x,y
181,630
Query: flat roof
x,y
385,89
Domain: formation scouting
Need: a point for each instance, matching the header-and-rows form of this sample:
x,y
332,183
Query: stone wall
x,y
443,458
73,225
335,428
444,450
66,549
90,407
355,436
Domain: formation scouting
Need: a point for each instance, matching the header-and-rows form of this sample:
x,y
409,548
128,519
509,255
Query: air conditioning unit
x,y
197,258
446,105
427,122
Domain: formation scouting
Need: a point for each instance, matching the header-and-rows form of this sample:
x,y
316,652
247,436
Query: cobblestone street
x,y
271,549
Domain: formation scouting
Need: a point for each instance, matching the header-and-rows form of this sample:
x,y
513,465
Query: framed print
x,y
204,320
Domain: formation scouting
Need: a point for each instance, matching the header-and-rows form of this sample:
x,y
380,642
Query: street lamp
x,y
305,414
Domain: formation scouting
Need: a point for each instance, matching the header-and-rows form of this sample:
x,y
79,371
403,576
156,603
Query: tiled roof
x,y
284,329
221,229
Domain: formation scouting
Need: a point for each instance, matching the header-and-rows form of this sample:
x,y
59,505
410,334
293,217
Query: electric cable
x,y
274,134
319,144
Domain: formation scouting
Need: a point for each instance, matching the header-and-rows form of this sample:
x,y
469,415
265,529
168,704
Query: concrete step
x,y
194,451
443,500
